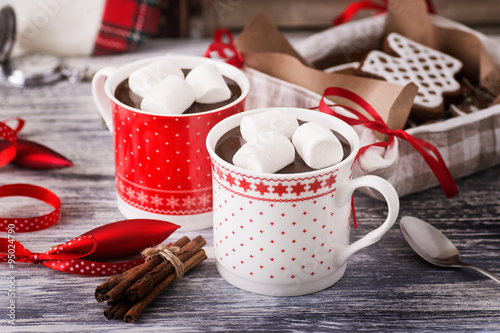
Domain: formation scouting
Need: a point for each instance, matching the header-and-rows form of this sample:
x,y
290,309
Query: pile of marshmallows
x,y
273,136
164,89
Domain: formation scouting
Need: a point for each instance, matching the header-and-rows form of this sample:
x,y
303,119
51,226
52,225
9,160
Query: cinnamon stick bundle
x,y
134,312
129,293
112,282
118,292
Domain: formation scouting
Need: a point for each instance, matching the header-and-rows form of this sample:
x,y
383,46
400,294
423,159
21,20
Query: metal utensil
x,y
435,247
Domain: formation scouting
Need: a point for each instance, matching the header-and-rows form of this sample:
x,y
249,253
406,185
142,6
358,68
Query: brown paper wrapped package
x,y
266,50
468,144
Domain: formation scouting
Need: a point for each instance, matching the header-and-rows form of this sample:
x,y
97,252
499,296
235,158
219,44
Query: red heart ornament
x,y
129,237
25,153
33,155
90,253
116,240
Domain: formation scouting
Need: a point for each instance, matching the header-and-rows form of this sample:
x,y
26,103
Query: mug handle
x,y
100,98
343,197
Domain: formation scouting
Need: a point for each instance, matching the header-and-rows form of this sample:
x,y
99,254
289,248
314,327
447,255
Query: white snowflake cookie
x,y
432,71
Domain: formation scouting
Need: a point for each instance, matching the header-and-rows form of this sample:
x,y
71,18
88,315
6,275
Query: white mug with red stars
x,y
162,167
288,234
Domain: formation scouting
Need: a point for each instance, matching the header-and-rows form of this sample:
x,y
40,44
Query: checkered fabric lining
x,y
125,25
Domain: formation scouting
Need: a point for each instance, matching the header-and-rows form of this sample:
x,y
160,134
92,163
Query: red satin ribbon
x,y
352,9
73,256
89,254
380,6
225,50
22,254
10,135
30,223
20,123
58,258
115,239
429,153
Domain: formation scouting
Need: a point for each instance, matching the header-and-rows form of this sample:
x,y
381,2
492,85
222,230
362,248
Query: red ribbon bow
x,y
58,258
434,160
27,153
225,50
19,253
380,6
86,254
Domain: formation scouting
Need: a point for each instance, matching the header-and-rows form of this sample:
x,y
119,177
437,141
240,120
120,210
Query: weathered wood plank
x,y
387,287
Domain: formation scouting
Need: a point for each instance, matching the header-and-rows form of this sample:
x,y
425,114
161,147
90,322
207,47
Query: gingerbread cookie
x,y
432,71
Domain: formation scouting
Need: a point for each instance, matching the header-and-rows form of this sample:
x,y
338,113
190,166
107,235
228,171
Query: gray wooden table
x,y
386,287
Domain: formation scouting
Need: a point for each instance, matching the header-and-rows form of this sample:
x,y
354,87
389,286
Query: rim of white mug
x,y
228,70
233,121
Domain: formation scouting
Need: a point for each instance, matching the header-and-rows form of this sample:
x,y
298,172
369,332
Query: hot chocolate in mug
x,y
288,234
162,167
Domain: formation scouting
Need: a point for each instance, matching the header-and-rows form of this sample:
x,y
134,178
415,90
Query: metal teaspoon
x,y
433,246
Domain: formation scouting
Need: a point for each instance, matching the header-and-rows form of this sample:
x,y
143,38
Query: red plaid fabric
x,y
125,25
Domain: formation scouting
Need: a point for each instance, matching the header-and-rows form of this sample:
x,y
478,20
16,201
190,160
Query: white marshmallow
x,y
317,145
208,84
278,120
269,152
171,96
145,79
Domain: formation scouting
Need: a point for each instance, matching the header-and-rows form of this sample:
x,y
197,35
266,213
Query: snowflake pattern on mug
x,y
163,166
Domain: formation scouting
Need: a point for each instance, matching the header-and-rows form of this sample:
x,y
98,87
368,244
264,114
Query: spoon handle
x,y
484,271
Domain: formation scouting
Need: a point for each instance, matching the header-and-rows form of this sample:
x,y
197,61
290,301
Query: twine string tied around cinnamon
x,y
168,254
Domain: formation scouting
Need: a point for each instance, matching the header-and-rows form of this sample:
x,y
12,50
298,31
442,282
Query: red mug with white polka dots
x,y
162,167
288,234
